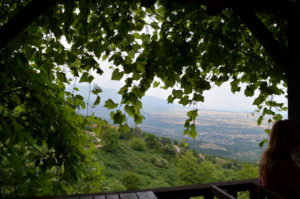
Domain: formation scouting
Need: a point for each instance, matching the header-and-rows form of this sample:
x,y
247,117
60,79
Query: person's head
x,y
285,137
284,141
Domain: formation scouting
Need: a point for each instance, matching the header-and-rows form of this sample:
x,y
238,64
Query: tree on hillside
x,y
109,136
208,172
248,171
187,169
192,172
188,47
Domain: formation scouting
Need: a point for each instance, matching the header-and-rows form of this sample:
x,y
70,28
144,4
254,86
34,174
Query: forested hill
x,y
136,160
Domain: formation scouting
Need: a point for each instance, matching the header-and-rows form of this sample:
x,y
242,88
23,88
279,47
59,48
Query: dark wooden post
x,y
293,70
208,195
256,192
293,95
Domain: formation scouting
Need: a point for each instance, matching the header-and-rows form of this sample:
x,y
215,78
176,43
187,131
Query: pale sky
x,y
216,98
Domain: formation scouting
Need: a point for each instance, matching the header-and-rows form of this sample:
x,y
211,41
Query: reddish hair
x,y
284,139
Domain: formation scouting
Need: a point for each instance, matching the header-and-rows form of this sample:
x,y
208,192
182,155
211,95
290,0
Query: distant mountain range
x,y
150,103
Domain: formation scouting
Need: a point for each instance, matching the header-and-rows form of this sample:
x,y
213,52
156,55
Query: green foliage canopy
x,y
178,44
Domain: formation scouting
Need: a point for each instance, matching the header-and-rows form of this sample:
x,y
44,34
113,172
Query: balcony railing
x,y
221,190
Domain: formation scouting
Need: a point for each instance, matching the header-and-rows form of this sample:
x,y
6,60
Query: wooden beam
x,y
293,73
23,19
265,37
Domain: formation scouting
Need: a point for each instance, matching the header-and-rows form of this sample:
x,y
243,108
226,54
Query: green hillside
x,y
137,160
116,160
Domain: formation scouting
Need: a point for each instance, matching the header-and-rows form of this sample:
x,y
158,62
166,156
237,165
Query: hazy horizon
x,y
217,98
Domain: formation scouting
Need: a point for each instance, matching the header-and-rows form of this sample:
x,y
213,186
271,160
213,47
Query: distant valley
x,y
229,134
223,133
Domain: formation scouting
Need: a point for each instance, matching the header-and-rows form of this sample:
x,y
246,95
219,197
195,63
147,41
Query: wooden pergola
x,y
287,59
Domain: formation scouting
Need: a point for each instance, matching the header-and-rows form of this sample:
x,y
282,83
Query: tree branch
x,y
37,150
23,19
214,36
265,37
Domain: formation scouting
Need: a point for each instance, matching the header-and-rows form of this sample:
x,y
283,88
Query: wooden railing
x,y
221,190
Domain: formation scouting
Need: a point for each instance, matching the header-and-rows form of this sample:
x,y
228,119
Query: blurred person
x,y
279,165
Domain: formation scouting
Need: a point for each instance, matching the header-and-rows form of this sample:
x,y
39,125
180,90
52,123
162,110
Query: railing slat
x,y
112,196
220,193
99,197
146,195
128,196
86,197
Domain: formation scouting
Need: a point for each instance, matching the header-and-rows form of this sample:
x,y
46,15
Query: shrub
x,y
115,185
159,182
137,144
126,135
175,142
165,140
169,149
109,138
152,141
131,180
137,131
159,162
